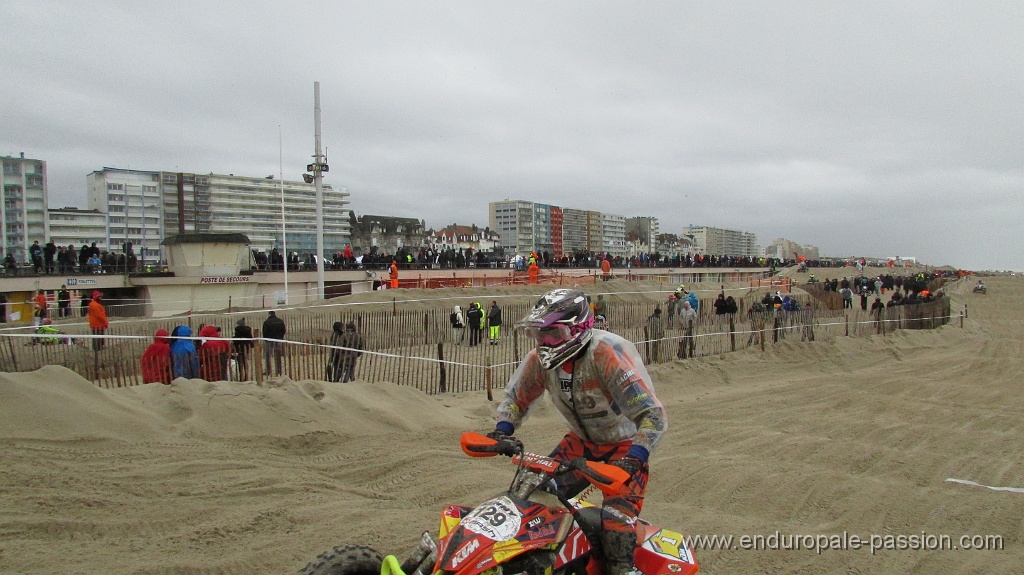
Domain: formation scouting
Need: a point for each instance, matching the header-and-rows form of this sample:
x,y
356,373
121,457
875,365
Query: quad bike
x,y
531,529
980,289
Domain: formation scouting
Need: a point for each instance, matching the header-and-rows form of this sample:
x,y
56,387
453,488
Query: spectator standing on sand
x,y
184,357
156,360
494,322
393,272
273,329
877,308
606,269
353,344
670,310
98,322
601,306
458,325
533,272
334,367
212,354
687,319
242,347
475,317
847,295
655,332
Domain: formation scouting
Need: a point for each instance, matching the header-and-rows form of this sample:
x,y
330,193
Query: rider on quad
x,y
598,383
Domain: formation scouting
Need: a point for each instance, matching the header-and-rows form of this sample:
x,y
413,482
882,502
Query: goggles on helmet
x,y
550,336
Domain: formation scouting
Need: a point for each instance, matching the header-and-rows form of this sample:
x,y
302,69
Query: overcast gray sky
x,y
865,128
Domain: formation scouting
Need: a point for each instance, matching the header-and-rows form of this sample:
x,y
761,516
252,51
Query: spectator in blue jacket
x,y
184,357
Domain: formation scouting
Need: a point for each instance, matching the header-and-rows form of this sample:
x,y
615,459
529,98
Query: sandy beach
x,y
855,437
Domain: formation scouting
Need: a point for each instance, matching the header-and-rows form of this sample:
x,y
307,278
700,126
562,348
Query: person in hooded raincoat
x,y
213,355
156,360
184,357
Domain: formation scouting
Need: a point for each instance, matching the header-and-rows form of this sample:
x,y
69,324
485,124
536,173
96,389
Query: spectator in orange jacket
x,y
39,308
394,274
156,360
98,322
606,269
533,271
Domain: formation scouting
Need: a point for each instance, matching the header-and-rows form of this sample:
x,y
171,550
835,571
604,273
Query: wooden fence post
x,y
443,386
732,332
490,396
760,332
257,360
647,345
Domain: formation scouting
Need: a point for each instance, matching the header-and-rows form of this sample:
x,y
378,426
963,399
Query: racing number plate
x,y
498,519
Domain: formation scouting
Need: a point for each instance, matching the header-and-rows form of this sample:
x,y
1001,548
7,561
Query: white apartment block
x,y
23,212
514,222
145,207
722,242
75,227
253,206
613,234
131,203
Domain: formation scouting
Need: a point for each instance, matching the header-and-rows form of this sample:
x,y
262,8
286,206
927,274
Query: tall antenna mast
x,y
320,168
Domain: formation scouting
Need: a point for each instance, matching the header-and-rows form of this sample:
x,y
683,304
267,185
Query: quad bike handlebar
x,y
609,478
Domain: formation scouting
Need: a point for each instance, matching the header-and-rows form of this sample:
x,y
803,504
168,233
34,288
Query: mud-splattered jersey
x,y
608,397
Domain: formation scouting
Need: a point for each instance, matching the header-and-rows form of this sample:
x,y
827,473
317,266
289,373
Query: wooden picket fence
x,y
418,348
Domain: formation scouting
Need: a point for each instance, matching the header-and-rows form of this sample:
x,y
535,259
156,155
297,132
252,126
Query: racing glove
x,y
502,430
634,460
630,465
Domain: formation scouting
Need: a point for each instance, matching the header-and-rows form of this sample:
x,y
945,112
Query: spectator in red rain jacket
x,y
213,354
156,360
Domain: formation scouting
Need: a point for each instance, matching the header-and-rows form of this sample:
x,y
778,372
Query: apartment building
x,y
595,242
721,242
531,227
514,222
131,203
645,230
145,207
23,212
574,230
75,227
613,234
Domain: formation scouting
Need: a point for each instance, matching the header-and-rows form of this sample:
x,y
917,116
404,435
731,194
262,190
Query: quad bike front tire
x,y
346,560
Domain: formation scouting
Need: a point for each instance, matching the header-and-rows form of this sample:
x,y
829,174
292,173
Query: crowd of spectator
x,y
51,259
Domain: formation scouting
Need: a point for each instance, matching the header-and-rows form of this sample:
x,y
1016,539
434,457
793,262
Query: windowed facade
x,y
23,211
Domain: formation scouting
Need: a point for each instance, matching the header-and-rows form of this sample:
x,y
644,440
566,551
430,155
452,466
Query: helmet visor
x,y
550,336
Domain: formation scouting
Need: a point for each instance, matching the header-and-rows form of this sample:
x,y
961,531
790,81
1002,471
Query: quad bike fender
x,y
663,552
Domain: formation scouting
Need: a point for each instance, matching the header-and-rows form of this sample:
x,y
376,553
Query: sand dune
x,y
855,436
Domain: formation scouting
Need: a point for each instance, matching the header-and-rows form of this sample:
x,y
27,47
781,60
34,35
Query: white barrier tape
x,y
973,484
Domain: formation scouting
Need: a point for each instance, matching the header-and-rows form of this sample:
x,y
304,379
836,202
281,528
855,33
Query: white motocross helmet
x,y
561,323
